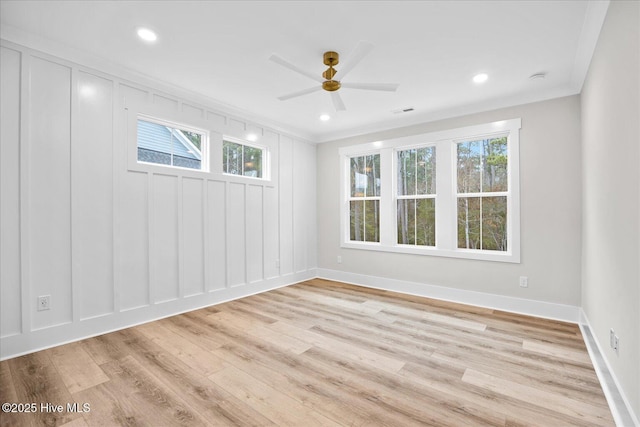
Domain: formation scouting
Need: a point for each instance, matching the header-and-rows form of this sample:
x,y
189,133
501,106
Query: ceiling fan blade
x,y
387,87
300,93
279,60
337,101
362,49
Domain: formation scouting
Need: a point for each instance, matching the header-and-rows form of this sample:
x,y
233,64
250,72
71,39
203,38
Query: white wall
x,y
610,103
550,195
115,244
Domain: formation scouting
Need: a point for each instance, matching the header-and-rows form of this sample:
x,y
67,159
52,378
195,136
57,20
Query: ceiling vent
x,y
402,110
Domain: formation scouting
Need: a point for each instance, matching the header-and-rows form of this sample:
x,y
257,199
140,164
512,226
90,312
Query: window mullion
x,y
446,200
388,189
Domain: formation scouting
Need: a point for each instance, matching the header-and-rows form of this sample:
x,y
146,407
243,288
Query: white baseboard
x,y
548,310
41,339
620,407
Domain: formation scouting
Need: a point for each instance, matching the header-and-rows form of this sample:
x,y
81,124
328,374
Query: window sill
x,y
472,254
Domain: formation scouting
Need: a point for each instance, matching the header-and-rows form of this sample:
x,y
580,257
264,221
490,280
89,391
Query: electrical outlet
x,y
612,337
44,302
616,343
524,282
339,259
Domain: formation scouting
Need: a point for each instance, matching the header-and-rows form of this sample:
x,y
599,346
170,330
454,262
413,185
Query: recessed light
x,y
252,137
147,35
325,117
480,78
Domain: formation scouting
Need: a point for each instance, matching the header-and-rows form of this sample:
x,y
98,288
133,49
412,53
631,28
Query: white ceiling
x,y
220,50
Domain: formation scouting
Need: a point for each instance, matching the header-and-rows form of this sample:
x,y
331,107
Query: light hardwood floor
x,y
318,353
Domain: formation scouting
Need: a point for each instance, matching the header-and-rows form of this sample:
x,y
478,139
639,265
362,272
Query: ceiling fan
x,y
327,81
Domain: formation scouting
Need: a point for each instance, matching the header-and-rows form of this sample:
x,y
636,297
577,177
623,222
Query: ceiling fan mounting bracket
x,y
331,58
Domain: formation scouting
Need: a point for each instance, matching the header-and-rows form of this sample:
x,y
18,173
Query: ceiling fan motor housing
x,y
330,58
331,85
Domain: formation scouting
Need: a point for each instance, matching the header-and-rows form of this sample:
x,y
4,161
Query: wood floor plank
x,y
133,396
358,353
76,368
557,351
108,347
78,422
216,405
297,383
324,390
554,380
515,411
571,407
399,396
320,353
189,326
190,353
36,380
267,400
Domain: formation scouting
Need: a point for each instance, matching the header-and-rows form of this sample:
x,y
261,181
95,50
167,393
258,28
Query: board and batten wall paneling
x,y
271,234
286,206
255,233
92,196
133,288
10,292
217,236
236,243
49,190
193,271
116,243
165,279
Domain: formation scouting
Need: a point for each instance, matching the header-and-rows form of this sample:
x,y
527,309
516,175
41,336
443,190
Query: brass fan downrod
x,y
330,58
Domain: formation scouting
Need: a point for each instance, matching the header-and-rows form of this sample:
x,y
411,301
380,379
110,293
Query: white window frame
x,y
266,159
204,143
415,197
446,191
361,199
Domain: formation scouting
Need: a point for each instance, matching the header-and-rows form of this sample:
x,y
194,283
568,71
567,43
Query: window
x,y
453,193
239,158
482,194
364,199
164,143
416,203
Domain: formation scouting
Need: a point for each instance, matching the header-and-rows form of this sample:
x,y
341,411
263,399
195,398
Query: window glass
x,y
364,204
482,165
240,159
449,193
416,190
417,171
164,144
482,214
365,176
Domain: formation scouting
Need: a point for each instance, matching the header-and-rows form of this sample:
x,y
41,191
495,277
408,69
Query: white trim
x,y
53,336
175,129
593,20
620,406
446,194
266,158
14,36
543,309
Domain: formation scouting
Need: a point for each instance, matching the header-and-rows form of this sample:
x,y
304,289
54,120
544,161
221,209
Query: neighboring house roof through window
x,y
159,138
